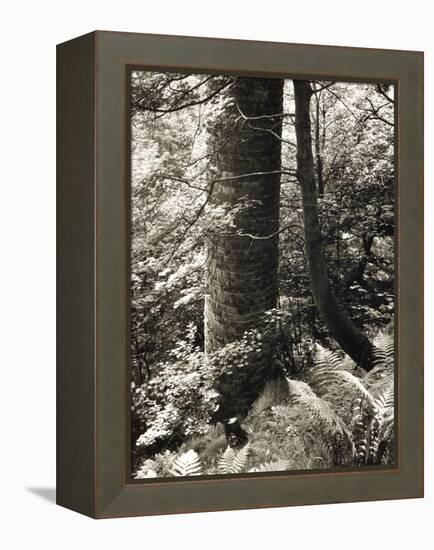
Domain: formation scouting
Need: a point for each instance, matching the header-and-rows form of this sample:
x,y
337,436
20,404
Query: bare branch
x,y
374,112
383,92
269,130
321,88
138,106
266,237
346,107
240,176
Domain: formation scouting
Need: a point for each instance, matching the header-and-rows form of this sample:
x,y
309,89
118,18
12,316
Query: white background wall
x,y
29,32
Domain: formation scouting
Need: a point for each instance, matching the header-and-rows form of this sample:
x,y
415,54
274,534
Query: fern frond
x,y
275,392
187,464
319,411
322,379
385,343
382,434
374,436
385,398
226,460
234,462
372,428
241,457
325,358
361,423
377,375
383,359
381,373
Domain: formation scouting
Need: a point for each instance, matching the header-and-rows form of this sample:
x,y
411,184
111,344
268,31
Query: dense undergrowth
x,y
333,414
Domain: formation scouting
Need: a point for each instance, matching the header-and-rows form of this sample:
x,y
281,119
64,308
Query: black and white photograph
x,y
262,274
216,232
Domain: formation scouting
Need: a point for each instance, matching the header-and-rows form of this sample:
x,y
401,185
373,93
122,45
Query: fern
x,y
325,358
320,415
385,400
361,428
319,411
275,392
234,462
366,402
341,415
337,381
383,360
373,425
384,423
385,343
187,464
323,379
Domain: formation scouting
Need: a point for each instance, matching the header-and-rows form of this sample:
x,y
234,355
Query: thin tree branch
x,y
384,94
139,107
269,130
321,88
266,237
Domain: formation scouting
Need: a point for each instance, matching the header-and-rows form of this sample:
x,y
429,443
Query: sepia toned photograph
x,y
262,274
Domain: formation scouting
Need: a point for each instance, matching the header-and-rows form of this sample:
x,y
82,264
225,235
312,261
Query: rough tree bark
x,y
318,155
242,278
348,336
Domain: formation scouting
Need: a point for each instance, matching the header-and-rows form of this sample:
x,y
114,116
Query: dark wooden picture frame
x,y
93,423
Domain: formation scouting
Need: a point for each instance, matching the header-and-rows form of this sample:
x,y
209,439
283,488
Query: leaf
x,y
188,464
234,462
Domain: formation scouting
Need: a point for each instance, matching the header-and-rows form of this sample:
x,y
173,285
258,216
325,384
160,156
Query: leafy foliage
x,y
179,400
232,461
187,464
316,409
348,420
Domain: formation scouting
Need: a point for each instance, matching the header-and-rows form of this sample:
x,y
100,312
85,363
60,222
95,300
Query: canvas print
x,y
262,274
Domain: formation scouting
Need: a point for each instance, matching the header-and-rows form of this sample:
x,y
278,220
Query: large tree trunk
x,y
318,156
352,341
242,279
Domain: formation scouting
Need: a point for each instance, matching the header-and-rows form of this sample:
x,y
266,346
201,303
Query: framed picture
x,y
240,264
